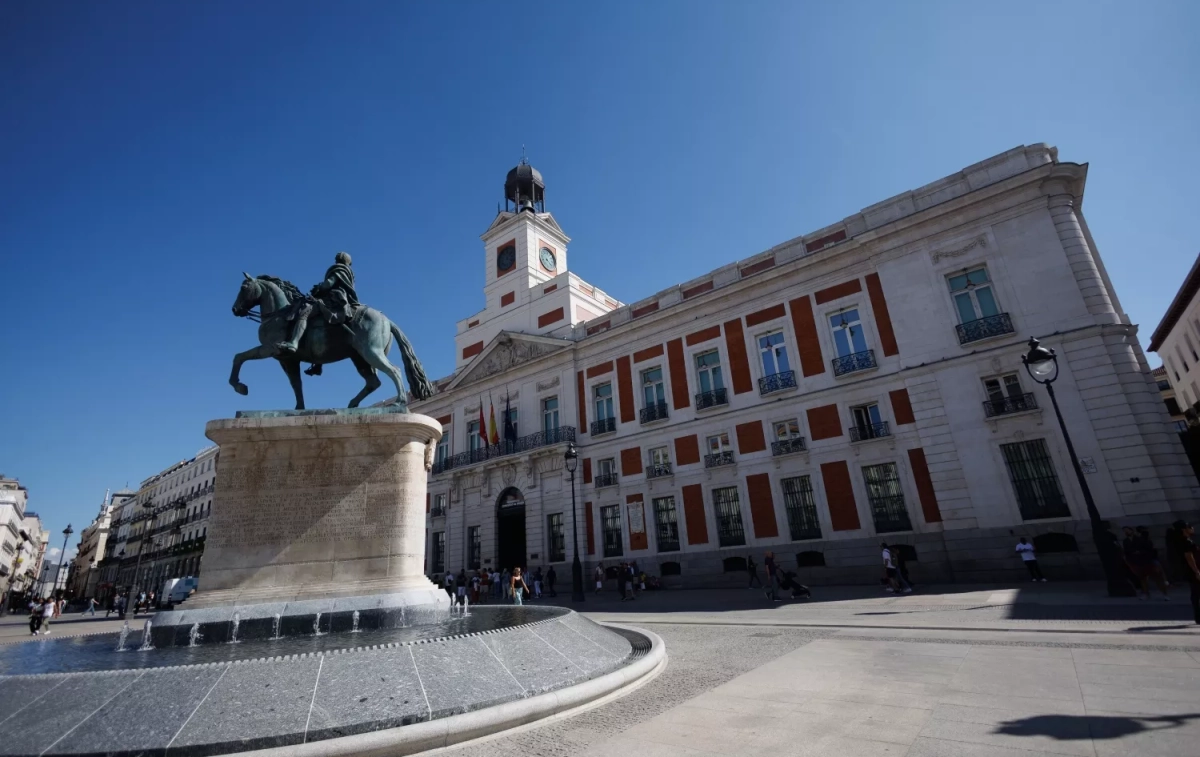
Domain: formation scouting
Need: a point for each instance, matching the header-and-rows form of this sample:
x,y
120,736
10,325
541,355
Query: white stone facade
x,y
16,549
1177,340
961,446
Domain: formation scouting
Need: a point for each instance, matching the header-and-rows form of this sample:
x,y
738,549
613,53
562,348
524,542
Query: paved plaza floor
x,y
987,671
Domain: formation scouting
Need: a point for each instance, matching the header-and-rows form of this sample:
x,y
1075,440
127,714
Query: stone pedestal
x,y
318,506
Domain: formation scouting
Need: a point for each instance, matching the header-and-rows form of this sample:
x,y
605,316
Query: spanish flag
x,y
493,437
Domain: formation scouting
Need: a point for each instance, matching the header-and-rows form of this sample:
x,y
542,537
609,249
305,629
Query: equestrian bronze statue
x,y
342,329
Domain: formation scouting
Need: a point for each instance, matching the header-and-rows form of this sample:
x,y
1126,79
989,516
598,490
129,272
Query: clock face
x,y
547,256
507,258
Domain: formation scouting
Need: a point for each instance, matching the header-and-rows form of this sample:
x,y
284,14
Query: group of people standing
x,y
481,587
630,580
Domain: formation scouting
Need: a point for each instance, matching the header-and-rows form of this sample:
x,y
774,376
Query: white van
x,y
175,590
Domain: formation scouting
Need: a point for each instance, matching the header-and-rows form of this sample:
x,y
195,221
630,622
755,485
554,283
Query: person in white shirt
x,y
889,568
1029,557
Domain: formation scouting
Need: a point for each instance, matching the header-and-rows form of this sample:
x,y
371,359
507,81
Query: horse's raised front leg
x,y
292,368
254,353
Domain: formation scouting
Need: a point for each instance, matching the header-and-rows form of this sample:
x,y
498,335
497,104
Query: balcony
x,y
705,400
655,412
984,328
437,511
559,435
606,479
604,426
854,362
1009,405
658,471
777,382
869,431
788,446
718,459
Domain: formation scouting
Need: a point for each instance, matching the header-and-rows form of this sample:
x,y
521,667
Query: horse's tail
x,y
418,383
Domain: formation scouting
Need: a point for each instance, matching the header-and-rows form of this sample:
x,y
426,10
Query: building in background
x,y
85,574
1175,414
18,546
860,383
1177,339
159,532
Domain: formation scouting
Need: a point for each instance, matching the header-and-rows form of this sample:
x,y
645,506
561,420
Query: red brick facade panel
x,y
845,289
591,529
554,316
625,391
826,240
581,401
698,289
642,356
472,350
762,265
824,422
693,514
750,437
631,461
762,506
764,315
507,299
600,370
587,470
920,469
696,337
804,325
678,370
739,366
687,450
883,319
644,310
901,407
839,494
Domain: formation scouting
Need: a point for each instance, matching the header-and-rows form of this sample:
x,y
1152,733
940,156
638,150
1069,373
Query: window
x,y
610,517
1182,359
848,336
604,401
439,505
474,548
729,517
1191,347
606,472
708,371
1034,480
443,446
474,441
654,396
557,536
1005,395
506,417
868,423
1171,365
720,452
973,295
787,437
773,352
801,508
666,524
550,414
437,560
886,498
660,462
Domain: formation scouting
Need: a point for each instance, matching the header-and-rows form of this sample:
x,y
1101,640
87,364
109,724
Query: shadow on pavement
x,y
1081,727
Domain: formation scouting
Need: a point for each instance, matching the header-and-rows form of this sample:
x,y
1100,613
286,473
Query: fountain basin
x,y
341,685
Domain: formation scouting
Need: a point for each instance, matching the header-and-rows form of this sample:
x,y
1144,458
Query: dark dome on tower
x,y
524,188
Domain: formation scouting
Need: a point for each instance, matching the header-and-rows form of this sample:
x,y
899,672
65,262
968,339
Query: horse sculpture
x,y
364,340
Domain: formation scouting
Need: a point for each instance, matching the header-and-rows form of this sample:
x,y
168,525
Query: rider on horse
x,y
336,298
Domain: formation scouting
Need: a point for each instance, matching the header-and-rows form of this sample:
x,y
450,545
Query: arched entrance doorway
x,y
510,529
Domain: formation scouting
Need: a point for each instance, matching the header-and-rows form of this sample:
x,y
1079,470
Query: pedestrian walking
x,y
449,580
1191,559
506,581
518,586
497,587
48,608
890,572
599,577
551,577
35,616
772,587
901,568
1029,557
1142,558
91,608
460,586
537,584
752,571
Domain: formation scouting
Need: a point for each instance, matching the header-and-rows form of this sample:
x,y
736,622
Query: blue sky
x,y
150,152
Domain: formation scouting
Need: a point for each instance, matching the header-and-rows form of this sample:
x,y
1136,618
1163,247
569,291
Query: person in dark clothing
x,y
1191,559
772,587
551,577
621,580
752,571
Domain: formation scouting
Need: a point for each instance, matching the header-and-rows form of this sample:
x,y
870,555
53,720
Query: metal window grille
x,y
666,524
886,498
1031,470
730,532
558,537
474,547
610,517
801,508
437,561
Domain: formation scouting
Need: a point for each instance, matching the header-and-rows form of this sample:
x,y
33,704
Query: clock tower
x,y
526,284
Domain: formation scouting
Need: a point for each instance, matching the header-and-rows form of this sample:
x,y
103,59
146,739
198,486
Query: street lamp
x,y
1042,364
572,461
62,558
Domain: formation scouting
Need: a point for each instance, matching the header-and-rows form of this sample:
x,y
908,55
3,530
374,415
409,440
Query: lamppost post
x,y
63,557
572,461
1042,365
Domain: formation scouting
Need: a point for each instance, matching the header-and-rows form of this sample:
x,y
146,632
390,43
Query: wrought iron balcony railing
x,y
604,426
658,471
606,479
857,361
437,511
1008,405
718,459
888,518
559,435
983,328
706,400
788,446
869,431
655,412
777,382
